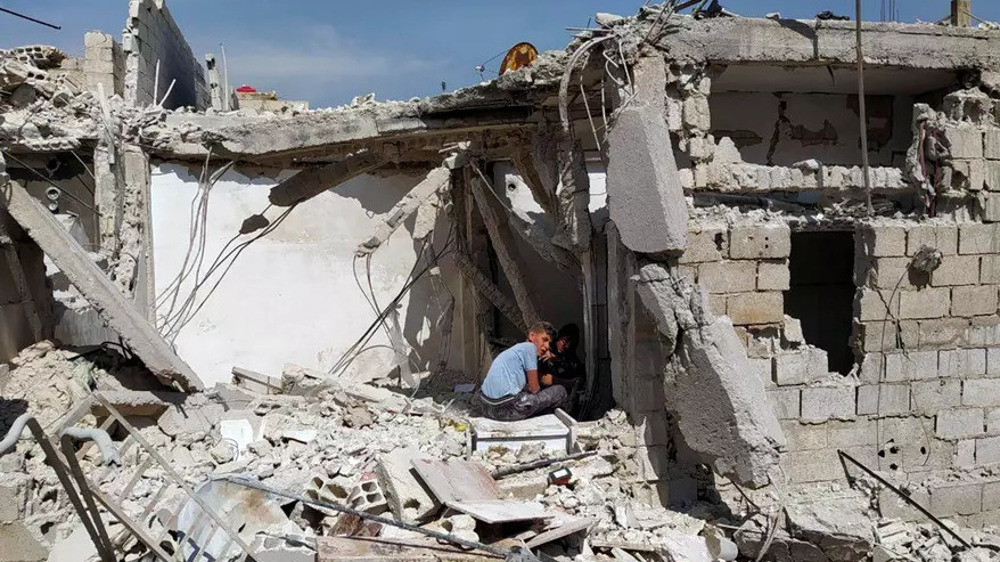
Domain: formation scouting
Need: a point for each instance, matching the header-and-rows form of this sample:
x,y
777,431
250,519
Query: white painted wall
x,y
291,296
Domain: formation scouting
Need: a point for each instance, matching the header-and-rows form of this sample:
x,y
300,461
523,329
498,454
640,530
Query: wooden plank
x,y
117,311
488,289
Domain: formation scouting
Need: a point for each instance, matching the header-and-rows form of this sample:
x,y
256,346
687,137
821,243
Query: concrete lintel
x,y
119,314
488,289
790,42
503,242
313,181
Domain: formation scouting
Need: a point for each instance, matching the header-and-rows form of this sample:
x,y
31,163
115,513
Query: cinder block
x,y
991,206
956,270
972,174
988,450
763,368
786,403
993,362
929,397
13,497
911,365
876,336
963,498
993,421
981,392
828,402
966,141
773,276
890,274
979,300
962,363
965,453
991,496
941,238
847,434
984,331
927,303
883,399
960,423
802,366
804,437
880,241
941,333
872,370
765,241
746,309
993,176
812,466
738,276
891,506
989,273
978,239
872,304
991,148
706,244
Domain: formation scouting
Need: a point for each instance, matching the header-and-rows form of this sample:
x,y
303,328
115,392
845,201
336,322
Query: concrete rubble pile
x,y
340,445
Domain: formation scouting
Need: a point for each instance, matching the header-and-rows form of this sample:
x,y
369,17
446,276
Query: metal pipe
x,y
905,497
862,111
519,468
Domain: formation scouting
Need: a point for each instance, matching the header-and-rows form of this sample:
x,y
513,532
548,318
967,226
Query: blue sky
x,y
330,51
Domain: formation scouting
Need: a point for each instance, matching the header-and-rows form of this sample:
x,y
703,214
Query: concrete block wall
x,y
744,269
151,35
104,63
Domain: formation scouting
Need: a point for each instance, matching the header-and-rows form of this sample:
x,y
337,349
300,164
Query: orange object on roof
x,y
519,56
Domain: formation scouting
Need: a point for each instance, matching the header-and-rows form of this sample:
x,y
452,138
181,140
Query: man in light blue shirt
x,y
512,389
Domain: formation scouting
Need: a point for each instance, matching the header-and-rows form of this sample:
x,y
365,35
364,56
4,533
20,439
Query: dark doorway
x,y
822,292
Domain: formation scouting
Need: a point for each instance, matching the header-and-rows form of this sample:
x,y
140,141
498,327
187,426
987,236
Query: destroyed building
x,y
782,284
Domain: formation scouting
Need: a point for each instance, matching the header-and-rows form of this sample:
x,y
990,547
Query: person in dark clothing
x,y
561,366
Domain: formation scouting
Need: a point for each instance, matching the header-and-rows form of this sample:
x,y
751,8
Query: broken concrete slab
x,y
722,413
409,499
645,197
120,314
436,180
311,182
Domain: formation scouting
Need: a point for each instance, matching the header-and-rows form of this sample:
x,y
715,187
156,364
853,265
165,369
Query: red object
x,y
245,89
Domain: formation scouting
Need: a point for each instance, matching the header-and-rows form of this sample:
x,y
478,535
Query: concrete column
x,y
106,199
961,13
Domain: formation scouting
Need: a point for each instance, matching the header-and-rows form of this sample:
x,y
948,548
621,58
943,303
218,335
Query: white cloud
x,y
320,61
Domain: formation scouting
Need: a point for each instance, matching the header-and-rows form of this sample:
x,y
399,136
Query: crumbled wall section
x,y
152,36
104,63
743,268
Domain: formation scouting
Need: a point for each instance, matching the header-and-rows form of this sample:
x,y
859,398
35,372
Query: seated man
x,y
561,365
512,390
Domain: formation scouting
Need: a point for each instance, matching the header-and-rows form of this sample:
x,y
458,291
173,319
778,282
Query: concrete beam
x,y
119,314
489,290
722,408
494,216
436,180
645,196
794,42
313,181
573,198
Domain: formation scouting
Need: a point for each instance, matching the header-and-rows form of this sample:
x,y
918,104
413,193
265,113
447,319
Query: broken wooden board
x,y
550,430
113,307
468,487
312,181
436,180
361,549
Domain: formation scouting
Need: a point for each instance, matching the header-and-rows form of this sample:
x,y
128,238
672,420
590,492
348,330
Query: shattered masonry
x,y
688,190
